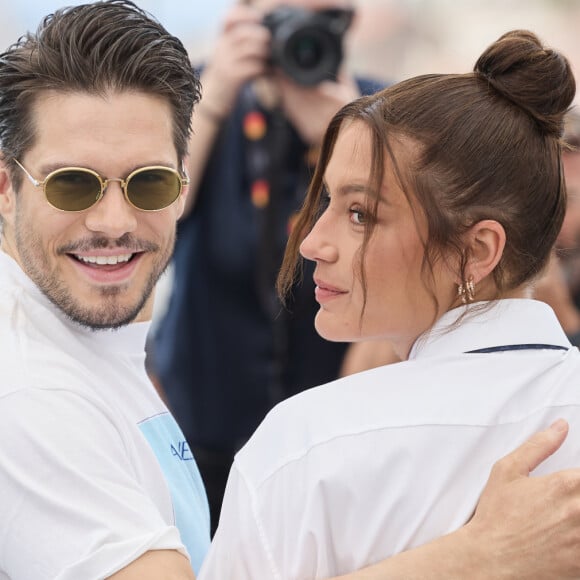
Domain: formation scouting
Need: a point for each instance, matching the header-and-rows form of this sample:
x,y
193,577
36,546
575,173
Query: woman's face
x,y
399,307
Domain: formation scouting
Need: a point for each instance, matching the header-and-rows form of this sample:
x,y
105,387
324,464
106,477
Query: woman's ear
x,y
484,243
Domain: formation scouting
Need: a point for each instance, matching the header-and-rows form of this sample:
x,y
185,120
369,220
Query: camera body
x,y
307,45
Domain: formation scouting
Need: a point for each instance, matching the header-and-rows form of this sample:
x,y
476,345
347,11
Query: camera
x,y
307,45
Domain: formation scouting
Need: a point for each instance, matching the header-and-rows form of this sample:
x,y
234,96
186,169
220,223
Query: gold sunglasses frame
x,y
104,182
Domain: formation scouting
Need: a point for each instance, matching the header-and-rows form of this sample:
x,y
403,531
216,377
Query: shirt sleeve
x,y
239,549
71,504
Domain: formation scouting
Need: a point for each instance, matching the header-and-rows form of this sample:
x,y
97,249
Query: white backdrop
x,y
391,38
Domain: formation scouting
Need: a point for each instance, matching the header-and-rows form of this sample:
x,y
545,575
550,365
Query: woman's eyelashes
x,y
358,212
358,215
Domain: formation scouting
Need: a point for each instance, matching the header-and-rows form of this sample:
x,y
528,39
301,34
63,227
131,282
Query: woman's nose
x,y
319,244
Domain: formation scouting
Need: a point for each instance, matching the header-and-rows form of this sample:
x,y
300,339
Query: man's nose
x,y
112,215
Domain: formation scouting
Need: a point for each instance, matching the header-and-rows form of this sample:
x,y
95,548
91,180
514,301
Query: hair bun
x,y
537,79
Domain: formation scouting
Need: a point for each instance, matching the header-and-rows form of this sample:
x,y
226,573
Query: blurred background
x,y
391,38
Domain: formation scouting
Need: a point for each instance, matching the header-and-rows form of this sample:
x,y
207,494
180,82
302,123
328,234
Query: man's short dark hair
x,y
94,48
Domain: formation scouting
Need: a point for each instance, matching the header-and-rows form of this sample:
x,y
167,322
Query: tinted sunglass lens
x,y
153,189
72,190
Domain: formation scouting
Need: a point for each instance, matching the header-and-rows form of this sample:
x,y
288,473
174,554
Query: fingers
x,y
524,459
240,54
531,525
240,14
246,34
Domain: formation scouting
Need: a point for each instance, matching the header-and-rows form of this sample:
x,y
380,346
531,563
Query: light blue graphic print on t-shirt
x,y
187,492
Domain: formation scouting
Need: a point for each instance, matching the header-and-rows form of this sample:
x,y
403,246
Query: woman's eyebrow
x,y
349,188
360,187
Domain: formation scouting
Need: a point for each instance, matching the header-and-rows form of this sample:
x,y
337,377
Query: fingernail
x,y
559,425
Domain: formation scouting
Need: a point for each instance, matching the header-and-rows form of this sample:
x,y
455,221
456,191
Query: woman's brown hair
x,y
487,145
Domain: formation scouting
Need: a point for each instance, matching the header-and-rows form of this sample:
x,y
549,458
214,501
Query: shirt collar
x,y
12,273
491,324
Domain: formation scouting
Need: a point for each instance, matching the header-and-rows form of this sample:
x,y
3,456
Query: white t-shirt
x,y
347,474
94,471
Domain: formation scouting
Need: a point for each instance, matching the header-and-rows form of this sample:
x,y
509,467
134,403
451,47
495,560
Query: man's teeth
x,y
105,260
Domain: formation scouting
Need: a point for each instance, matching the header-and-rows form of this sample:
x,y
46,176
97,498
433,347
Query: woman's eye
x,y
358,216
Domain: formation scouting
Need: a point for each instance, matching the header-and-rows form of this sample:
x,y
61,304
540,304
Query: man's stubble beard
x,y
110,313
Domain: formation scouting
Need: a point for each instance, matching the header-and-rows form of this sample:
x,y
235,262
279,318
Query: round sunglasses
x,y
78,188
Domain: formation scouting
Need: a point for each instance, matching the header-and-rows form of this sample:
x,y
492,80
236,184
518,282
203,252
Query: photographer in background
x,y
226,352
560,286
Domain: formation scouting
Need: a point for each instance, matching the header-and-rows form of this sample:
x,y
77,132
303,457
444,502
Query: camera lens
x,y
307,52
307,45
311,55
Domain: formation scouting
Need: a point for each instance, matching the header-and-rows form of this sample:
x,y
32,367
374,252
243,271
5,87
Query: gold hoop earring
x,y
466,291
470,289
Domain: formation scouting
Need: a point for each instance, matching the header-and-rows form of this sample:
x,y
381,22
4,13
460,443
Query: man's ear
x,y
484,244
7,194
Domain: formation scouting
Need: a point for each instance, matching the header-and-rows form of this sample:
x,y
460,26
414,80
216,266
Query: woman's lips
x,y
325,292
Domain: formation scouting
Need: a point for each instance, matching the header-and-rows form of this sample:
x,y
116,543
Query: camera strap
x,y
277,180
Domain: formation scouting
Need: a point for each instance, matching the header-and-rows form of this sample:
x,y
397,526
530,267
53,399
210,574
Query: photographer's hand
x,y
240,54
552,287
310,109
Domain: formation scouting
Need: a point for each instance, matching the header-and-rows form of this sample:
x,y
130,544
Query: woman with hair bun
x,y
433,209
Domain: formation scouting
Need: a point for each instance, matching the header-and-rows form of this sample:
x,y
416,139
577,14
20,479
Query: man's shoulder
x,y
34,350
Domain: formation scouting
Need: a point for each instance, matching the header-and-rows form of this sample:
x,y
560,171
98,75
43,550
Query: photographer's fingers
x,y
310,108
240,14
240,54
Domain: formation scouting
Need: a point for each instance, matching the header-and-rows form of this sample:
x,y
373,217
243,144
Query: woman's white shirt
x,y
349,473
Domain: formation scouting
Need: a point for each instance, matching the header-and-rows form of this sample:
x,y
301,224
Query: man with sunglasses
x,y
95,474
96,478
